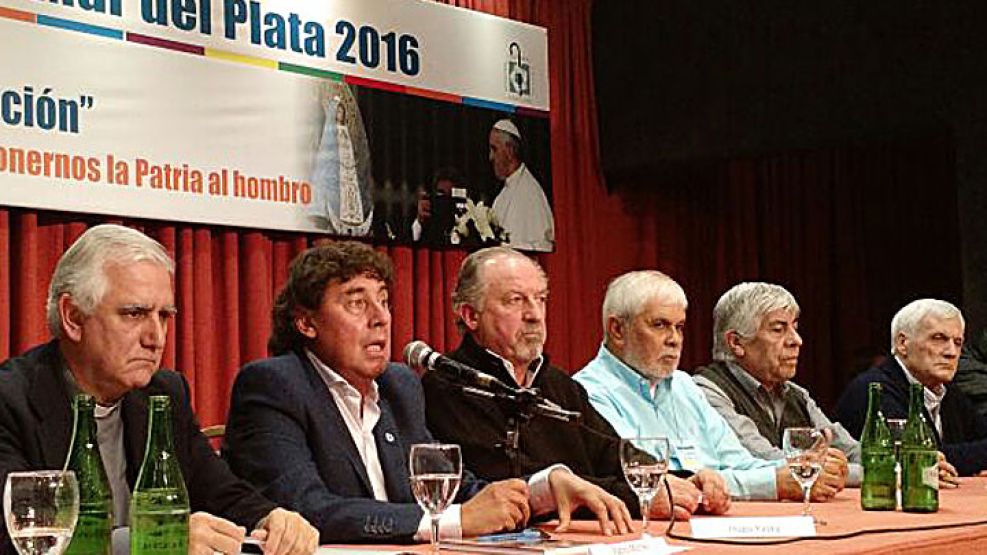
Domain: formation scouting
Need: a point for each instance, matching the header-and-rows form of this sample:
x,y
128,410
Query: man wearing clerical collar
x,y
635,383
756,347
109,306
500,301
926,341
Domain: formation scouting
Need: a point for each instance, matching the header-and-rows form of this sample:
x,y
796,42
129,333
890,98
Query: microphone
x,y
420,356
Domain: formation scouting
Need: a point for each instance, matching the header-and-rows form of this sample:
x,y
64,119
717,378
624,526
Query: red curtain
x,y
801,219
853,232
226,278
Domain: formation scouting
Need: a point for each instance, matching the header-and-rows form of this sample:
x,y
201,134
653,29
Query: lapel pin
x,y
389,437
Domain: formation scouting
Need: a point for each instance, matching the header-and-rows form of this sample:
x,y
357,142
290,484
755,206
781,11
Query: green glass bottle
x,y
919,460
159,508
877,491
95,524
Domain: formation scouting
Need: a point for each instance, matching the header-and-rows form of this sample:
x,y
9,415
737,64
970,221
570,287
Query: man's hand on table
x,y
499,506
208,534
948,477
716,494
685,495
286,533
571,492
831,480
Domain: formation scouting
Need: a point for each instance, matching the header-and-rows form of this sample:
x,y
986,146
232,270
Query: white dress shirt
x,y
361,415
931,398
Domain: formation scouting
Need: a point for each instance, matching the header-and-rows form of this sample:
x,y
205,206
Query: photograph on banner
x,y
132,116
448,174
408,169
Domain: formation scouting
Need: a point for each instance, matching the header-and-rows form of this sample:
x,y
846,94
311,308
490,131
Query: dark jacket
x,y
36,429
286,435
964,431
971,373
590,447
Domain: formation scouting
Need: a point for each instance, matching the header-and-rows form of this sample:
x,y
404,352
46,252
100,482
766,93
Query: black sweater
x,y
589,447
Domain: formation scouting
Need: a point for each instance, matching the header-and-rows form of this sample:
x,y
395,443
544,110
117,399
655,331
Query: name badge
x,y
643,546
753,527
688,456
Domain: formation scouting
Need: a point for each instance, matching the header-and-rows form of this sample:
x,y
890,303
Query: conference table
x,y
843,516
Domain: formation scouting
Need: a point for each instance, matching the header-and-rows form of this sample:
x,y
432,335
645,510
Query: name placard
x,y
753,527
642,546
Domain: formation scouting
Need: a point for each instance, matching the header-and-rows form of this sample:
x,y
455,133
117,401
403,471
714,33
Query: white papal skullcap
x,y
507,126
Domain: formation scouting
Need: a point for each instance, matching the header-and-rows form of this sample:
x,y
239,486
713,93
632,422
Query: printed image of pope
x,y
521,206
342,200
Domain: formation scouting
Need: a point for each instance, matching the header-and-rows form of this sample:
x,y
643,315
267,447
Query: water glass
x,y
645,462
805,453
436,470
41,509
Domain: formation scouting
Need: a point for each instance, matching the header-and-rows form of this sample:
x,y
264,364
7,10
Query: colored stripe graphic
x,y
10,13
311,71
165,43
373,83
70,25
187,48
434,95
490,105
241,58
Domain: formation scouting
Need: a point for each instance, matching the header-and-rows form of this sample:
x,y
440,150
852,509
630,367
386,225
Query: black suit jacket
x,y
964,431
286,435
36,429
589,447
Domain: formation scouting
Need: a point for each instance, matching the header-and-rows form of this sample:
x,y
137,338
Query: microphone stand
x,y
522,405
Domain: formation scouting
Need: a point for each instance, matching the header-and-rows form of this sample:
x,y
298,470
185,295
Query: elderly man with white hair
x,y
755,353
926,340
635,383
110,303
521,206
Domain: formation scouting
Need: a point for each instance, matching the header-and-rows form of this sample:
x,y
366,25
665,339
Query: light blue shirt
x,y
678,410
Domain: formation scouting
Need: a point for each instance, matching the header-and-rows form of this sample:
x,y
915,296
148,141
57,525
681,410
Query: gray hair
x,y
627,294
81,271
742,308
909,318
470,286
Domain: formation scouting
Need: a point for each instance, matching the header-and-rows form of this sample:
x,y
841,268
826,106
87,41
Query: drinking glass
x,y
805,452
41,509
435,470
897,427
645,462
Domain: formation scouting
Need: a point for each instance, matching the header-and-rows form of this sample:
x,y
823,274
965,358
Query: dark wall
x,y
683,84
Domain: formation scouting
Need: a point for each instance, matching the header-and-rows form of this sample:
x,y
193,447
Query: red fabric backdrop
x,y
812,221
226,278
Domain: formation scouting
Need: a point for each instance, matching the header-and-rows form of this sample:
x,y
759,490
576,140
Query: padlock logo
x,y
518,72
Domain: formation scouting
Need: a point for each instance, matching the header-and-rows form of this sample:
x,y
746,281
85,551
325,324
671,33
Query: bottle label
x,y
159,532
930,476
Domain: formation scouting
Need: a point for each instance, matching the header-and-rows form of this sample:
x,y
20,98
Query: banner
x,y
352,117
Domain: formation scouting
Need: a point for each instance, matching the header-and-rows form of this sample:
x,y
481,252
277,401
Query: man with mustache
x,y
926,341
635,383
500,301
755,353
326,426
